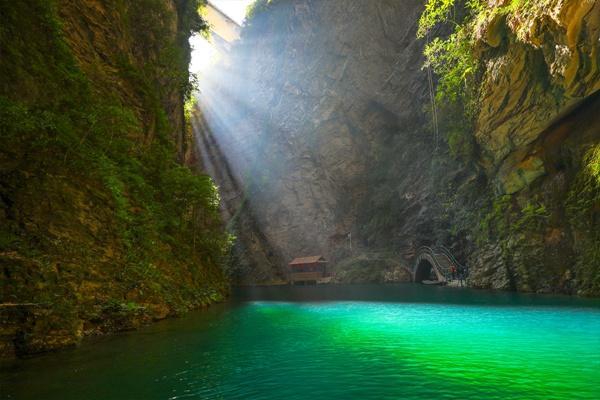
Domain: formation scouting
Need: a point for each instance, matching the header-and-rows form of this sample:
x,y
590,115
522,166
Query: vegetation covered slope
x,y
101,225
519,81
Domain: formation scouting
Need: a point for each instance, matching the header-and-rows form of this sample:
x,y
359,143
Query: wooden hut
x,y
308,269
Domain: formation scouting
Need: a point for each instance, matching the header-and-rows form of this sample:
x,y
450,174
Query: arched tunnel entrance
x,y
424,271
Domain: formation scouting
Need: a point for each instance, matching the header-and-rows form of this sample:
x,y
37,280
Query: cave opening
x,y
423,271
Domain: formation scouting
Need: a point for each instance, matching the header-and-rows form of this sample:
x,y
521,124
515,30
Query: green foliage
x,y
124,308
583,213
525,228
452,56
436,12
505,219
452,28
191,18
522,231
441,11
497,220
107,170
533,217
583,200
256,8
452,60
461,145
188,190
520,10
72,140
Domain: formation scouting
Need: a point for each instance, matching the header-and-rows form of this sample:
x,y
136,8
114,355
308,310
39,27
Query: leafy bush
x,y
583,213
65,128
256,8
461,145
451,58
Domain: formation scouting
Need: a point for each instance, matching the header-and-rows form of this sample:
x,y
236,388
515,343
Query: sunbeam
x,y
350,199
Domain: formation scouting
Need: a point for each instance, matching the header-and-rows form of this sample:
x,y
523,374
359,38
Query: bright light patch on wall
x,y
234,9
204,54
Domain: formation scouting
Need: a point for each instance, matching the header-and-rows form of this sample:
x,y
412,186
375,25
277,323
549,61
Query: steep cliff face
x,y
332,135
100,228
539,63
328,93
538,134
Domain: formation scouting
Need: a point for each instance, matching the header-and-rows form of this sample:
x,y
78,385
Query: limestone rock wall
x,y
536,130
330,135
330,93
539,63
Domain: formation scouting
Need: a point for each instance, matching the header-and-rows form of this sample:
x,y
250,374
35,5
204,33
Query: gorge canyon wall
x,y
322,113
101,227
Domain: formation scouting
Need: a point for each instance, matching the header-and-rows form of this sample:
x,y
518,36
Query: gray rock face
x,y
331,111
320,114
491,271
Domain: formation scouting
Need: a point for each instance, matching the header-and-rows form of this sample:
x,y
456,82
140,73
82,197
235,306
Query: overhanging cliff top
x,y
221,24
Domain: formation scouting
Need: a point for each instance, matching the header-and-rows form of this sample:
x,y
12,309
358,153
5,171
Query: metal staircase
x,y
441,260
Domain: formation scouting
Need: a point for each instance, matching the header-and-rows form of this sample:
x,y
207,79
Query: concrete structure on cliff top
x,y
224,30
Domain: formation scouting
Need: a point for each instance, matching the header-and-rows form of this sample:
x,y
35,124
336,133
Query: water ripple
x,y
334,350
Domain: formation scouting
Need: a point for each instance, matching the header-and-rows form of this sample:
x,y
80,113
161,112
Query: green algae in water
x,y
509,349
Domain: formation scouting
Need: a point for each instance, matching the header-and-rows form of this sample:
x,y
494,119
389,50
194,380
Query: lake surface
x,y
337,342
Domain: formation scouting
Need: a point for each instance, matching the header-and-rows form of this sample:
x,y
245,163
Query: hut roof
x,y
307,260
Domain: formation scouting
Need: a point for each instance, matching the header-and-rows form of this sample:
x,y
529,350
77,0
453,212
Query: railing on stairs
x,y
461,269
435,254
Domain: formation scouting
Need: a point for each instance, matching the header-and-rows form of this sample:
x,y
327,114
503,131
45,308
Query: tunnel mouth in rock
x,y
423,271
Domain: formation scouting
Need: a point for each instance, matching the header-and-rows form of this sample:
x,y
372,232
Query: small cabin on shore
x,y
307,270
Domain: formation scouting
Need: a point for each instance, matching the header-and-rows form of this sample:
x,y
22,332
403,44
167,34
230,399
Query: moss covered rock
x,y
101,227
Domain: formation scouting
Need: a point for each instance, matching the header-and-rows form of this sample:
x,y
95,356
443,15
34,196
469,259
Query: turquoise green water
x,y
392,342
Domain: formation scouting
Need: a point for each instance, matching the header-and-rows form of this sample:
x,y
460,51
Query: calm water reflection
x,y
338,342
